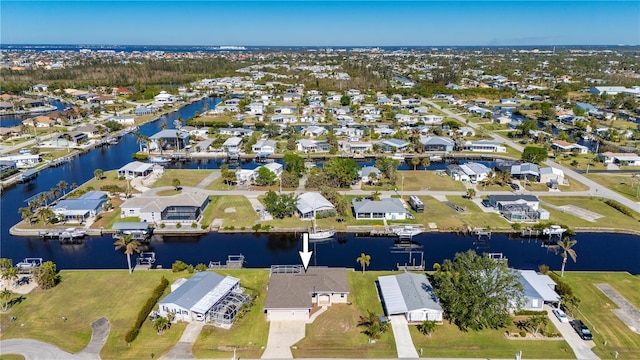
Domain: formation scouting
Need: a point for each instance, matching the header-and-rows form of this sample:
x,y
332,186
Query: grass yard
x,y
612,217
420,180
336,334
80,297
109,178
188,178
574,185
11,357
248,334
448,341
437,212
106,219
595,310
243,216
475,217
219,185
579,161
623,184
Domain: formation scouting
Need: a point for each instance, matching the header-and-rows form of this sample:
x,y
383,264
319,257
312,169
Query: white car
x,y
561,315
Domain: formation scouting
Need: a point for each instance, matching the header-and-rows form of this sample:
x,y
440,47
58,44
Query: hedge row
x,y
530,312
146,309
616,205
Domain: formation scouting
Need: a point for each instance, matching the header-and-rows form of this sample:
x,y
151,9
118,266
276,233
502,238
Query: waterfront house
x,y
484,146
185,206
22,161
436,143
292,293
205,297
539,289
411,295
630,159
309,146
313,203
393,144
170,139
551,174
355,147
164,98
242,132
370,174
126,120
518,208
265,147
564,147
145,110
471,172
202,132
90,130
135,169
388,208
40,122
232,144
274,167
86,206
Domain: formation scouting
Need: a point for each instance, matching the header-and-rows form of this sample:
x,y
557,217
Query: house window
x,y
131,211
342,295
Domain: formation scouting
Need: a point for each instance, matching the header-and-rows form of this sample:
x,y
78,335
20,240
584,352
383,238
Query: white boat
x,y
398,156
72,233
316,234
407,231
159,159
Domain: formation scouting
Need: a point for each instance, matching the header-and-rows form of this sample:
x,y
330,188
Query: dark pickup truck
x,y
582,330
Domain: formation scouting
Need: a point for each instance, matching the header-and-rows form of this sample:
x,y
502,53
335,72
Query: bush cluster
x,y
529,312
616,205
146,309
112,188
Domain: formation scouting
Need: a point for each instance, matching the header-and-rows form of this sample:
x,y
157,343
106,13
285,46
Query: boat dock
x,y
27,176
139,231
480,232
69,235
233,262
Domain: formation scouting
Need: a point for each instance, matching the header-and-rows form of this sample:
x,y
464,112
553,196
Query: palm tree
x,y
505,177
62,185
425,162
415,161
375,195
98,173
161,324
427,327
566,245
10,273
176,183
5,297
130,246
471,193
364,261
25,212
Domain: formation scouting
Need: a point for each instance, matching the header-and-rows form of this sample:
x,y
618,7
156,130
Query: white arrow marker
x,y
305,254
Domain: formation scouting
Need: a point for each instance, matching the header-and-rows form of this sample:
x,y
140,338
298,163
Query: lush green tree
x,y
280,205
129,245
345,100
344,170
5,263
536,323
161,324
62,185
388,167
534,154
46,275
425,162
373,327
176,183
10,273
471,193
364,261
289,179
98,173
477,292
228,176
265,177
566,245
293,163
415,161
427,327
525,127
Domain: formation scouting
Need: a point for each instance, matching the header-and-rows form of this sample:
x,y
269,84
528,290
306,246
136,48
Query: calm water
x,y
16,120
595,251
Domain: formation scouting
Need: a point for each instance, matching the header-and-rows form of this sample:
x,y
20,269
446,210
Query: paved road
x,y
595,188
581,348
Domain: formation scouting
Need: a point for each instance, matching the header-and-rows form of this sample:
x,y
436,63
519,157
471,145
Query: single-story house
x,y
431,119
171,139
620,158
186,206
264,147
484,146
393,144
525,171
471,172
365,174
388,208
355,147
274,167
87,205
164,98
313,131
411,295
436,143
135,169
283,119
548,174
311,203
517,208
538,290
232,144
564,146
241,132
292,295
497,201
313,146
205,297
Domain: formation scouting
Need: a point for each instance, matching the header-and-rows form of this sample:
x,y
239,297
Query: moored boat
x,y
159,159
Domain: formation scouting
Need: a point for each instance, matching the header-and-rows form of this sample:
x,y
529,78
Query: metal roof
x,y
309,201
538,285
387,205
201,290
130,226
136,166
407,292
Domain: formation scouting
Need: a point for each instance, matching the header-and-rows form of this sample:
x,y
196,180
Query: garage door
x,y
288,314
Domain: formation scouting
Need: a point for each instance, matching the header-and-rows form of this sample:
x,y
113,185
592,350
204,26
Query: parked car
x,y
581,329
515,187
560,315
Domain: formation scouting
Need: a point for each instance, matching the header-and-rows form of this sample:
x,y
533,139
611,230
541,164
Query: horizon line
x,y
316,46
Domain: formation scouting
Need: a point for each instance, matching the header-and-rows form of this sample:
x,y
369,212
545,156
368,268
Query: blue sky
x,y
321,23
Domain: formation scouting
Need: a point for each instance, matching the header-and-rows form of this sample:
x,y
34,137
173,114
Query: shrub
x,y
529,312
266,227
178,226
243,228
201,267
162,225
616,205
190,269
544,269
194,225
523,334
140,156
146,309
256,227
112,188
178,266
204,226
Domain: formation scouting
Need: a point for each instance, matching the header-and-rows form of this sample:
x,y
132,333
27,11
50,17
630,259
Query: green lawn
x,y
475,217
420,180
581,161
336,334
109,178
449,342
218,185
612,217
188,178
80,297
621,183
243,216
437,212
248,334
11,357
595,310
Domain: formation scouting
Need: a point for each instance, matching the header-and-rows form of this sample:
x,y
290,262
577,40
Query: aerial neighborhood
x,y
305,147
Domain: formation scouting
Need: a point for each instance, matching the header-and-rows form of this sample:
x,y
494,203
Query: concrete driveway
x,y
182,350
282,335
404,344
581,348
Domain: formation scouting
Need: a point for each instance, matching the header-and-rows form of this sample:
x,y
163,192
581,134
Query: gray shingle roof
x,y
293,291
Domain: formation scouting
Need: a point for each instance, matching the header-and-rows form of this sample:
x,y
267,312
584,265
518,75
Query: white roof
x,y
551,170
309,201
215,295
392,295
542,284
136,166
232,141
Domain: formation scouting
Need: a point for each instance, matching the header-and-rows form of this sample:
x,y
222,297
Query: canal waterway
x,y
610,252
16,120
